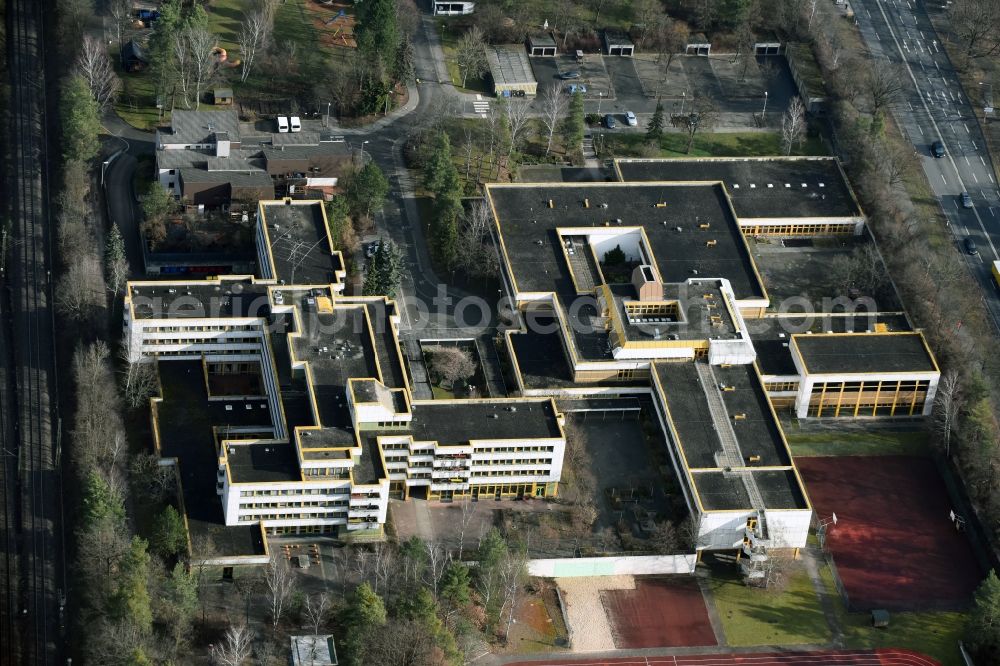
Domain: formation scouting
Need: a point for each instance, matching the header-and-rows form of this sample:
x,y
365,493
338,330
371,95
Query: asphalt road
x,y
934,107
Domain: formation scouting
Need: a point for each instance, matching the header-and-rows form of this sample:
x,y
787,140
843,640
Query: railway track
x,y
30,498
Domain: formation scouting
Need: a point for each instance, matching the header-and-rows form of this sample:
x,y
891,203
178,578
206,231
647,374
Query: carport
x,y
541,46
767,44
601,409
698,44
511,71
617,44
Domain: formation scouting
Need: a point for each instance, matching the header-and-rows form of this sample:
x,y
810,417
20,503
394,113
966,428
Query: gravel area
x,y
589,628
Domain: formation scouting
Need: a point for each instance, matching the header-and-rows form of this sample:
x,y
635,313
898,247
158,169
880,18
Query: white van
x,y
296,124
282,124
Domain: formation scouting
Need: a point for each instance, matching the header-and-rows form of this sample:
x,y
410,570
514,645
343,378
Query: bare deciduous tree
x,y
793,125
884,85
437,560
470,54
554,105
80,296
315,611
513,574
235,647
518,109
451,364
138,378
947,404
280,583
203,60
976,26
253,32
94,65
121,14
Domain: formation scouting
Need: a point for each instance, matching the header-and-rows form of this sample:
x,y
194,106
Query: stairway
x,y
730,457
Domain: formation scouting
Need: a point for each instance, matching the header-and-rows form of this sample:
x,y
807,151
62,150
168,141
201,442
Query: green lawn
x,y
933,634
722,144
224,19
136,104
856,443
752,616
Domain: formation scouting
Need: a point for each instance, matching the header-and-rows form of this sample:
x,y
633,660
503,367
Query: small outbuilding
x,y
313,650
698,44
767,44
443,8
617,43
222,96
511,71
133,57
541,46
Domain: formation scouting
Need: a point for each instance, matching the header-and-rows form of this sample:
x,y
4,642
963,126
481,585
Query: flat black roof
x,y
540,355
772,336
368,467
756,433
772,187
185,421
726,491
226,298
462,421
300,244
263,462
864,353
528,228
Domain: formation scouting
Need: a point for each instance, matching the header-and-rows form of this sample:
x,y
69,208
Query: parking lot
x,y
593,73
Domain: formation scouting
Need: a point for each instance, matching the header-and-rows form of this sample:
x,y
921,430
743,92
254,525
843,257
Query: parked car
x,y
609,121
575,88
966,200
970,247
937,149
147,16
282,124
296,124
571,74
630,119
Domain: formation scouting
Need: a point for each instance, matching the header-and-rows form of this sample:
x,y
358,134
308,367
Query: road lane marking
x,y
992,213
975,177
967,160
966,125
982,160
942,178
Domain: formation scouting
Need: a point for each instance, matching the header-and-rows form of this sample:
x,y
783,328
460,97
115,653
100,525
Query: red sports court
x,y
882,657
659,612
894,545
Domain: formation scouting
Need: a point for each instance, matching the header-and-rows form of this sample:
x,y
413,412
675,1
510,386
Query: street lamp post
x,y
363,153
683,99
326,120
600,98
764,112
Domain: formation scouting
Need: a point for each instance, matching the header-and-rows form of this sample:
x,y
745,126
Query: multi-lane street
x,y
934,107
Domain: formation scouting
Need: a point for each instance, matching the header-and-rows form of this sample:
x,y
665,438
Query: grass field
x,y
136,104
934,634
722,144
856,443
752,616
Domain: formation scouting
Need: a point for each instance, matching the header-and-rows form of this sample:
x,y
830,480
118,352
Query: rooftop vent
x,y
604,204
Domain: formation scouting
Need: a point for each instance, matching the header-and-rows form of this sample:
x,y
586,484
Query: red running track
x,y
882,657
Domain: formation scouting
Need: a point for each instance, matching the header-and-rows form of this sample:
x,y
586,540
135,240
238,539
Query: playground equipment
x,y
222,58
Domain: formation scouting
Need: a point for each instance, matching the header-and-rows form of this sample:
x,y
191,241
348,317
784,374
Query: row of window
x,y
294,491
284,505
328,472
203,328
883,386
781,386
151,342
798,229
253,518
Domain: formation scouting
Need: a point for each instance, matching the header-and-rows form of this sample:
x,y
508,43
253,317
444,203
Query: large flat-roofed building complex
x,y
646,288
287,407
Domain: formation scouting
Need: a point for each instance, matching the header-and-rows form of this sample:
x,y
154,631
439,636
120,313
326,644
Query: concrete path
x,y
813,562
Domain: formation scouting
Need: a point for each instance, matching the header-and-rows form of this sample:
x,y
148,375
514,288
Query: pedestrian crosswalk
x,y
481,106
